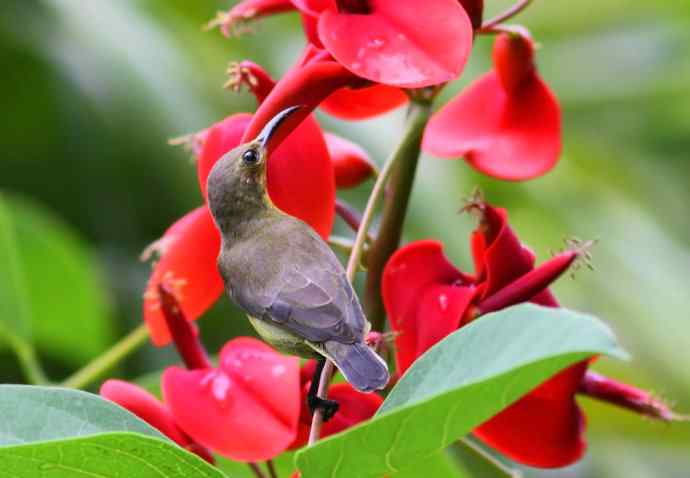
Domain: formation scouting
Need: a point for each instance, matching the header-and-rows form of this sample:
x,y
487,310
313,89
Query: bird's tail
x,y
362,367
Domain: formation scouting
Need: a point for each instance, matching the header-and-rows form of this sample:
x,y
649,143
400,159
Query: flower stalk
x,y
405,159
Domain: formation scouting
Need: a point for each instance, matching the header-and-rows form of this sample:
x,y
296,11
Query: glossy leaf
x,y
460,383
32,414
108,455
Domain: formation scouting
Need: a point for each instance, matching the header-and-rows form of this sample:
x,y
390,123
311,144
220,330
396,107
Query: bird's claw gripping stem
x,y
329,407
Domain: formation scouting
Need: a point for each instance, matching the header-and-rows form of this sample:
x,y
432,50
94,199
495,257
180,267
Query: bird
x,y
283,275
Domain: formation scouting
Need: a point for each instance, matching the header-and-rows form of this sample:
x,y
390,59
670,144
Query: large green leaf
x,y
31,414
109,455
458,384
57,292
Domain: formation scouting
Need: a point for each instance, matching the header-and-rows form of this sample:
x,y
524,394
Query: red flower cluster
x,y
364,58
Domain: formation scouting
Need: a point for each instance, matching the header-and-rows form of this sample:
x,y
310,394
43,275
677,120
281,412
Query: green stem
x,y
405,159
101,364
26,355
478,462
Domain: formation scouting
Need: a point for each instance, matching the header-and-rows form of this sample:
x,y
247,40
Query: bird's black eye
x,y
251,156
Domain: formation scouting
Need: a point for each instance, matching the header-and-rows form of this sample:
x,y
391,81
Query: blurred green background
x,y
92,90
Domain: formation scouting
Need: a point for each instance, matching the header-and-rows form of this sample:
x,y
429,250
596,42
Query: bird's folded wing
x,y
316,303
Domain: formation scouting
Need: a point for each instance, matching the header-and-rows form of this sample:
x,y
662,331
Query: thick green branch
x,y
405,160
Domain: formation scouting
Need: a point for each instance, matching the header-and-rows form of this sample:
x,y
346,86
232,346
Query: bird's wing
x,y
303,288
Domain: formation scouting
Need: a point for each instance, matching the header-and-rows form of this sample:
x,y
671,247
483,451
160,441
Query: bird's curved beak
x,y
269,138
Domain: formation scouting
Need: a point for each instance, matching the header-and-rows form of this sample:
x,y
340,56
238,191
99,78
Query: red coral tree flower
x,y
393,42
427,298
507,124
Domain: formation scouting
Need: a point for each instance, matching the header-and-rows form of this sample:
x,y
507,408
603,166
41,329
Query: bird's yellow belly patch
x,y
283,340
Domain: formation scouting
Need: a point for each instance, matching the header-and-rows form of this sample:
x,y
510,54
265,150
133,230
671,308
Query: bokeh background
x,y
92,90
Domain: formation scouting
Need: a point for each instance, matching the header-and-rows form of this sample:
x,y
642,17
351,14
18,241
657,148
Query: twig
x,y
271,469
257,471
93,370
489,25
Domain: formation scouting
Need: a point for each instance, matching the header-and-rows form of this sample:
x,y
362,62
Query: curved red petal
x,y
300,177
513,57
145,406
543,429
314,7
514,137
392,46
505,258
246,410
364,103
425,297
306,85
187,266
351,163
220,138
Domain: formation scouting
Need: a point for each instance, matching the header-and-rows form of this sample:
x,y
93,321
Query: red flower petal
x,y
220,138
247,409
475,10
188,253
300,176
394,46
425,298
145,406
500,258
513,57
363,103
513,137
351,163
543,429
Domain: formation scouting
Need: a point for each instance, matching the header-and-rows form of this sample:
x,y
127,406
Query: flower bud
x,y
513,57
351,164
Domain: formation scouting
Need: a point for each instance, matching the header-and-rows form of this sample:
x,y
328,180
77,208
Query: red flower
x,y
152,411
427,298
507,124
354,407
351,163
300,182
393,42
247,409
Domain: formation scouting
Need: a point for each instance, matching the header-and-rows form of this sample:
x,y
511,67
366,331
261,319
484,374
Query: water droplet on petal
x,y
278,370
443,302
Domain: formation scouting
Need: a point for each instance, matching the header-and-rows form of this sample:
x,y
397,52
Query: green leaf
x,y
58,293
14,313
458,384
109,455
30,414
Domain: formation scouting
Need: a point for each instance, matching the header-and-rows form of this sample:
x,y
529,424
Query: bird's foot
x,y
329,407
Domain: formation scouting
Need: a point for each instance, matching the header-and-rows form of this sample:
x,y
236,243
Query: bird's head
x,y
237,182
